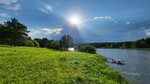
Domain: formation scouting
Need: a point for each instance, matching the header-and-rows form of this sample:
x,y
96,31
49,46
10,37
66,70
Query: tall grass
x,y
23,65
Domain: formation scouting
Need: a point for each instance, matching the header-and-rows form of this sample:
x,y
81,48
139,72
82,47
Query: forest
x,y
141,43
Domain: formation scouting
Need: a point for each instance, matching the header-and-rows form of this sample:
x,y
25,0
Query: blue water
x,y
137,63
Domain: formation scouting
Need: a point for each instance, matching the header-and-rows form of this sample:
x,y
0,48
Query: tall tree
x,y
17,32
44,42
66,42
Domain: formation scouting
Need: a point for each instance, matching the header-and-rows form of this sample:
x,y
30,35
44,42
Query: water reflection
x,y
136,66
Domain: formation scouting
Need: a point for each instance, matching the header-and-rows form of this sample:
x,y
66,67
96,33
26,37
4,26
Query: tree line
x,y
64,43
14,33
141,43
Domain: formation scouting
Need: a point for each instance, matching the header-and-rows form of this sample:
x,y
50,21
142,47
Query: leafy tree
x,y
44,42
127,45
133,45
29,43
54,44
147,42
66,42
142,42
38,40
2,34
16,32
36,44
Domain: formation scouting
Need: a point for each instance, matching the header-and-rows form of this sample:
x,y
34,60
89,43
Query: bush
x,y
54,44
86,48
36,44
32,43
29,43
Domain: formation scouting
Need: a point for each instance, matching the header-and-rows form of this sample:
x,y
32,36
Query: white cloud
x,y
43,10
109,18
10,5
46,8
147,31
2,14
45,31
8,2
129,22
15,7
103,18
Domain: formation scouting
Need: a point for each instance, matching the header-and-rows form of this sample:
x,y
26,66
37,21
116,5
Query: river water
x,y
137,63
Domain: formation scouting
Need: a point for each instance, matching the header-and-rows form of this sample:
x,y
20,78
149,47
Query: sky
x,y
100,20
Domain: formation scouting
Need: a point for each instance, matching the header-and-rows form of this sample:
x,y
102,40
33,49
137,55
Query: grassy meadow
x,y
26,65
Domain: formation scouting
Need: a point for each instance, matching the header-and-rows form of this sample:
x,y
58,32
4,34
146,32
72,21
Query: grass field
x,y
24,65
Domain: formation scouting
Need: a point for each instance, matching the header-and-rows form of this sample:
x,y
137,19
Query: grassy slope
x,y
40,65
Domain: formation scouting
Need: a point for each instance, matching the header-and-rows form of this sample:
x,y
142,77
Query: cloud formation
x,y
129,22
45,31
109,18
7,2
10,5
103,18
147,31
47,8
2,14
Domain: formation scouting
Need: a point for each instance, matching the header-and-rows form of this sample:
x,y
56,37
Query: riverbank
x,y
41,65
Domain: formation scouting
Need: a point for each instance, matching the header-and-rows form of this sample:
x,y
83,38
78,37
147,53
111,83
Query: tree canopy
x,y
13,32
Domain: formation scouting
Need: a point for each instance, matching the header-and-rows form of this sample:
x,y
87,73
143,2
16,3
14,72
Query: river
x,y
137,63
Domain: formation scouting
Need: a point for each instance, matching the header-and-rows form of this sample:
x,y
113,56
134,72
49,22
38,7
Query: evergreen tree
x,y
13,32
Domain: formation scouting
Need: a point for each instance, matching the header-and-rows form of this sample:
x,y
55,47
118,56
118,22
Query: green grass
x,y
24,65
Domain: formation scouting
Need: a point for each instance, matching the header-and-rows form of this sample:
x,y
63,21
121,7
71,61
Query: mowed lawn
x,y
25,65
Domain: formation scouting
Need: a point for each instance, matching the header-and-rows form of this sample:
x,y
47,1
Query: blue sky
x,y
102,20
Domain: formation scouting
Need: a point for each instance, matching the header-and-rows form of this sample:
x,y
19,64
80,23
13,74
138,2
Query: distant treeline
x,y
142,43
64,43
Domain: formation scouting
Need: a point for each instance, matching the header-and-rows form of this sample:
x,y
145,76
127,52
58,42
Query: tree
x,y
2,34
127,45
133,45
54,44
29,43
147,42
36,44
44,42
16,32
66,42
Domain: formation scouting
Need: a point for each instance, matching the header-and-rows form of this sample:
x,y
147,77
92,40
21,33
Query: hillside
x,y
40,65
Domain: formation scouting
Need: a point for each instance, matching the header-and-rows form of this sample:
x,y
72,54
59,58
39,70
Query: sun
x,y
74,20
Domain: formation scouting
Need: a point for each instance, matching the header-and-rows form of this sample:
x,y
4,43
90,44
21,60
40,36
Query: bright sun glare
x,y
74,20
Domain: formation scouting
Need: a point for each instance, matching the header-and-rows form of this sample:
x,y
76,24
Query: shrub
x,y
86,48
54,44
35,43
29,43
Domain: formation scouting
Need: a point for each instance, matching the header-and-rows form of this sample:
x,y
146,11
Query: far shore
x,y
127,48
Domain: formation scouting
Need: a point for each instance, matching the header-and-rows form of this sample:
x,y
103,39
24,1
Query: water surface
x,y
137,63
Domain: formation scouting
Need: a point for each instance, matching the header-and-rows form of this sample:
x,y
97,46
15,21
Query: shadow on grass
x,y
61,50
5,46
